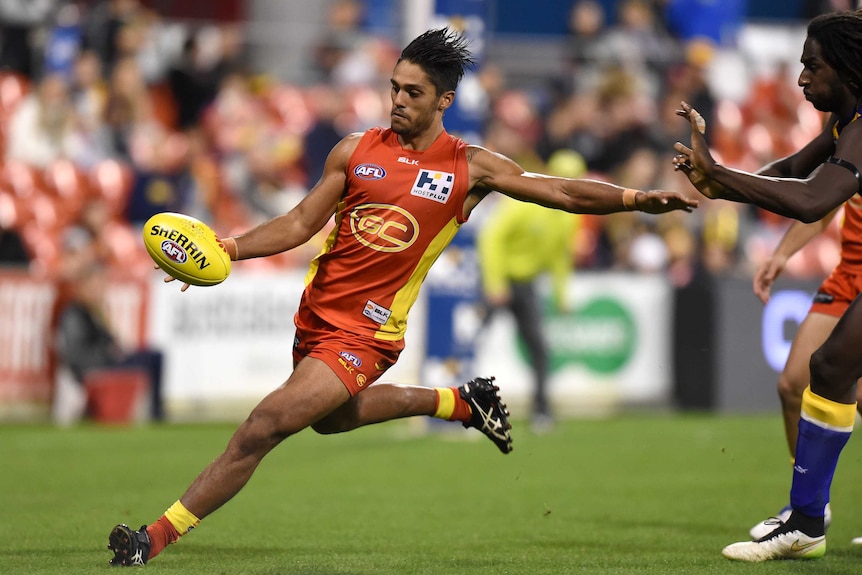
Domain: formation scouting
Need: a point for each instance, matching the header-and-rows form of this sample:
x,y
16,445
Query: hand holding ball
x,y
186,249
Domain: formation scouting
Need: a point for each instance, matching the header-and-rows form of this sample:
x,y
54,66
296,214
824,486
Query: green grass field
x,y
632,494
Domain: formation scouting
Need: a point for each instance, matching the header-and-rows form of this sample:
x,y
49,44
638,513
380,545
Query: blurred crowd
x,y
110,113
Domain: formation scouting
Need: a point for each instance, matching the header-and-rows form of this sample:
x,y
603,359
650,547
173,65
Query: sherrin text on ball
x,y
186,249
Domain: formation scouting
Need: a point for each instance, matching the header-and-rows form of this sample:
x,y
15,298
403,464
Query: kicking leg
x,y
475,404
311,392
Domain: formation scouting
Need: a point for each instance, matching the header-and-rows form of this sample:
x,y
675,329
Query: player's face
x,y
416,106
820,82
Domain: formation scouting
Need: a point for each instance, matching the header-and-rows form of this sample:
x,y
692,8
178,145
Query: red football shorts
x,y
837,291
357,361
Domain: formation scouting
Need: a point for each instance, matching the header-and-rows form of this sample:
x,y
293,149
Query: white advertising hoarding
x,y
227,346
611,347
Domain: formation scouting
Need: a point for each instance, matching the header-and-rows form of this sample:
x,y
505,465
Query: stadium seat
x,y
47,212
112,180
289,107
68,184
10,212
44,247
22,178
13,88
125,250
117,396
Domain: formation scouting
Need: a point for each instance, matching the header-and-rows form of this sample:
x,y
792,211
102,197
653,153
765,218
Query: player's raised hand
x,y
696,162
709,188
766,274
658,202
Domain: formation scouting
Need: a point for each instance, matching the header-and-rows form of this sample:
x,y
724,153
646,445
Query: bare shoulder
x,y
481,155
849,145
483,163
339,155
348,143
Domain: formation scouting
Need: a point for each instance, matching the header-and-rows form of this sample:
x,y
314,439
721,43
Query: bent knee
x,y
829,373
325,428
260,432
790,387
335,423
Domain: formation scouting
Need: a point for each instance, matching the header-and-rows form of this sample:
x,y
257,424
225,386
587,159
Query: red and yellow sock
x,y
450,406
176,522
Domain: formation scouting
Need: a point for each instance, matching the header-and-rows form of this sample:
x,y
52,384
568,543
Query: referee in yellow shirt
x,y
518,244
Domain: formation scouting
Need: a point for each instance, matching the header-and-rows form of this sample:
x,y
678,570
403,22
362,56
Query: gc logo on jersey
x,y
369,172
383,227
433,185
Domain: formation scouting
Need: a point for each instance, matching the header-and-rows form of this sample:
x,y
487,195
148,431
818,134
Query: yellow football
x,y
186,249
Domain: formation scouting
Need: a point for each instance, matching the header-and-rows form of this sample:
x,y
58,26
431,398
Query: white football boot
x,y
769,525
781,545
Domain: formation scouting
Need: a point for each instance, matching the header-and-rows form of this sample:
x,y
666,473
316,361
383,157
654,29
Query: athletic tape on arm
x,y
848,166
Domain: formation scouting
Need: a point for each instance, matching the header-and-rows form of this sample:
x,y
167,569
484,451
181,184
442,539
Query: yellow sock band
x,y
445,403
827,413
181,518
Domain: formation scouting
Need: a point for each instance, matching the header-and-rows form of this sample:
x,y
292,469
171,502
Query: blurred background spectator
x,y
520,245
113,110
85,342
197,117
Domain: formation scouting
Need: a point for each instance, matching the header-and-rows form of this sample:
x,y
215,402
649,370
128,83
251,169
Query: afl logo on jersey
x,y
369,172
383,227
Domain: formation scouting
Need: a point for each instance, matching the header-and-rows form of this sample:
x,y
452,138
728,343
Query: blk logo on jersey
x,y
433,185
376,312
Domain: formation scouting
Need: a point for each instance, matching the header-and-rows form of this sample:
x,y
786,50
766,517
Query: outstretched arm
x,y
797,165
808,200
297,226
490,171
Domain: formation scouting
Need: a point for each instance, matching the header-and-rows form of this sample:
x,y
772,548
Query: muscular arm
x,y
490,171
801,196
800,164
297,226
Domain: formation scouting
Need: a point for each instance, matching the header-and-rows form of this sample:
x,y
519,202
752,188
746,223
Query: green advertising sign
x,y
601,335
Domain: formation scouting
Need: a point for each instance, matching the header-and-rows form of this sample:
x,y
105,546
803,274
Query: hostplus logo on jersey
x,y
433,185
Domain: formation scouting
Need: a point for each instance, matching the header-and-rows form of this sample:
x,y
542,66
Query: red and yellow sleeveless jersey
x,y
851,225
400,210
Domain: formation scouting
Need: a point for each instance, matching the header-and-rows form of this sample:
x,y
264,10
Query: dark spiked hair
x,y
840,37
442,54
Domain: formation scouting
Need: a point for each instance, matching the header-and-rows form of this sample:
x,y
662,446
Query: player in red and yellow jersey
x,y
808,186
398,195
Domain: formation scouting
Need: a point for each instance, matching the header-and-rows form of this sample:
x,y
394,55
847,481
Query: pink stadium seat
x,y
44,246
23,179
69,184
47,212
13,88
112,180
10,213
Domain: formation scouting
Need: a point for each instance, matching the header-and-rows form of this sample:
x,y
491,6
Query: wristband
x,y
230,247
630,202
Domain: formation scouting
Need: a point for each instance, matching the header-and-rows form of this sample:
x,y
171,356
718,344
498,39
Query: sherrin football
x,y
186,249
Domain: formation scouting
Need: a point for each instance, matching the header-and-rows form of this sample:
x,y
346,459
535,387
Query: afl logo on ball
x,y
369,172
174,251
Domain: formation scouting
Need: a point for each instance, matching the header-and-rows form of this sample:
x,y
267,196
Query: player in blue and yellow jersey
x,y
398,196
808,186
